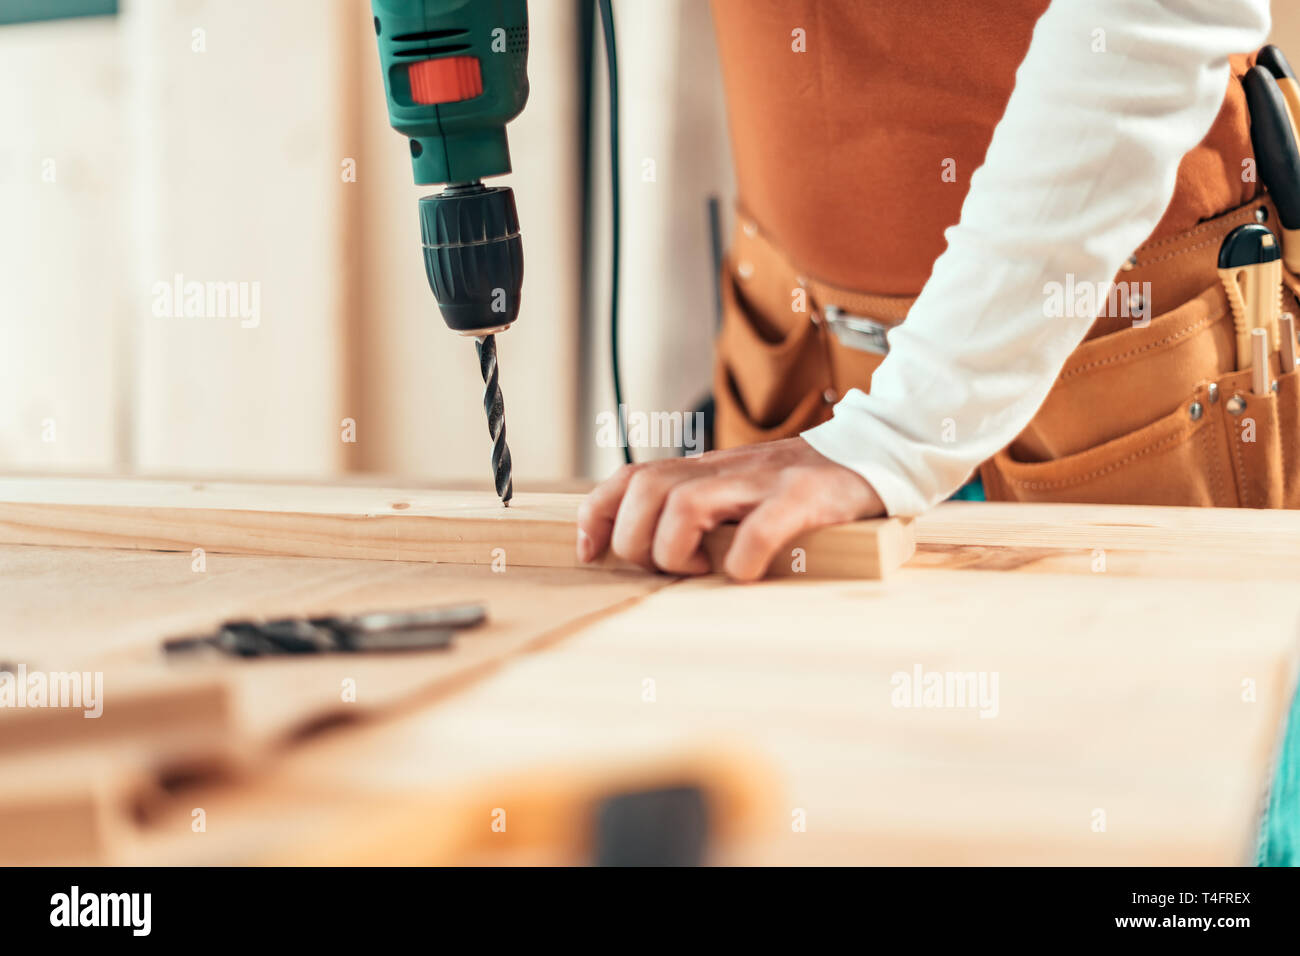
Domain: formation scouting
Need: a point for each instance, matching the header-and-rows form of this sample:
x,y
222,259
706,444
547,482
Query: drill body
x,y
455,73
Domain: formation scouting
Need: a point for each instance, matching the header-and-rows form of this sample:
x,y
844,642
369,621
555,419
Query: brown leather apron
x,y
838,157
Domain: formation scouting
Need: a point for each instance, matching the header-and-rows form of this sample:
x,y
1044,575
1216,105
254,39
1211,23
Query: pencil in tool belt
x,y
1259,377
1287,343
1250,265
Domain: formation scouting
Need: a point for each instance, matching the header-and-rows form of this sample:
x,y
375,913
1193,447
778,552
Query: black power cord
x,y
611,62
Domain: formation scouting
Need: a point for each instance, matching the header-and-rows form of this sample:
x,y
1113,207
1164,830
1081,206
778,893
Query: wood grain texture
x,y
1123,689
1115,540
1223,532
65,609
1116,696
85,609
537,530
1152,691
1119,695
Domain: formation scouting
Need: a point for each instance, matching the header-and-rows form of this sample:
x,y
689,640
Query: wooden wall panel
x,y
63,160
239,151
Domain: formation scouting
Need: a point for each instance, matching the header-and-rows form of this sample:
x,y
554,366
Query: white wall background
x,y
136,148
674,155
61,256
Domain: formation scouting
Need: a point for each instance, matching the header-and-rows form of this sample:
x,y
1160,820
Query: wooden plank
x,y
1115,695
104,611
1115,540
57,806
124,605
537,530
1222,533
1119,695
1147,693
1082,560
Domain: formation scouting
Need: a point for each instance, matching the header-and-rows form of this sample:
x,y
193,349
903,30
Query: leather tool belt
x,y
1148,410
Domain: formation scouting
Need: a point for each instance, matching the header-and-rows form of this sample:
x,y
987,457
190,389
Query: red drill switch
x,y
448,79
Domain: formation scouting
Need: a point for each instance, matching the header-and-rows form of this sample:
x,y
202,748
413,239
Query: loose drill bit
x,y
495,407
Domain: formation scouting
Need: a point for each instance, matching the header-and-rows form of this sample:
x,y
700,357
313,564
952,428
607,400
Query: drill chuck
x,y
473,256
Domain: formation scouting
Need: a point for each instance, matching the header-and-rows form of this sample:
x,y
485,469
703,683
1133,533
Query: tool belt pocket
x,y
1223,448
1221,445
1174,460
772,373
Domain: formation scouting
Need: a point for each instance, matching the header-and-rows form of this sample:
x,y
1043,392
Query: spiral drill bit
x,y
495,407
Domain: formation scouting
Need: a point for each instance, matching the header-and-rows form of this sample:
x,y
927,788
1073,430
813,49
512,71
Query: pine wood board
x,y
1220,533
537,530
1119,694
1120,690
1112,540
108,611
126,604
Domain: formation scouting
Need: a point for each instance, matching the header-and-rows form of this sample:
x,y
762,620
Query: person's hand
x,y
656,514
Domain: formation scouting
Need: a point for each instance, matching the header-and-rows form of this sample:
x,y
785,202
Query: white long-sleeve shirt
x,y
1080,170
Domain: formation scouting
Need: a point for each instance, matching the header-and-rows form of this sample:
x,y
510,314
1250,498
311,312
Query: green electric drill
x,y
455,72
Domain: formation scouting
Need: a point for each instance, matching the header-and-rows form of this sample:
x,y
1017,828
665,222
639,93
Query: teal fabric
x,y
972,491
1279,838
23,11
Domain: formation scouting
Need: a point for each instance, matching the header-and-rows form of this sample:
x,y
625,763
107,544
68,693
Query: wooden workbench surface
x,y
1144,660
